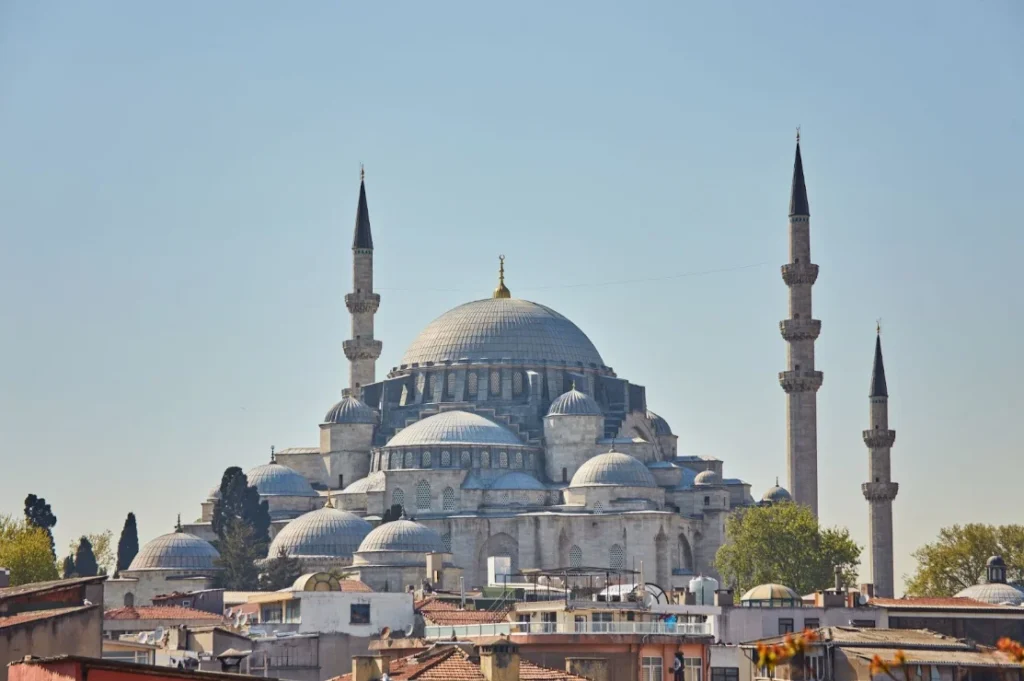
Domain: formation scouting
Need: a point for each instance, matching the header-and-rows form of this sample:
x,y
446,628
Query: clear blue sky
x,y
178,186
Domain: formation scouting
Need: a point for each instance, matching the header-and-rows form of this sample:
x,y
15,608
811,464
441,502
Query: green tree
x,y
85,559
238,555
281,572
101,543
67,570
956,560
26,551
39,513
240,501
128,544
783,543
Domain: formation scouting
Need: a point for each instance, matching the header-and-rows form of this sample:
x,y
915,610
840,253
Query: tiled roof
x,y
159,612
354,586
952,602
44,587
446,617
33,615
985,657
452,663
905,639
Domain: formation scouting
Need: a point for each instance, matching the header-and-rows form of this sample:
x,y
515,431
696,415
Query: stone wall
x,y
74,633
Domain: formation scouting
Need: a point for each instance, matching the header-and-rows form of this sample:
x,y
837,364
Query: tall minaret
x,y
800,380
362,350
881,490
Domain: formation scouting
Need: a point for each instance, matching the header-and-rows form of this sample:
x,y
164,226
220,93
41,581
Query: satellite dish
x,y
158,634
144,637
244,619
410,630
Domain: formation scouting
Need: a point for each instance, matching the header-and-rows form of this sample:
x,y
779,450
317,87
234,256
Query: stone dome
x,y
771,595
273,479
214,494
707,478
659,424
574,403
402,535
176,551
613,468
996,594
351,410
776,494
454,428
995,561
326,532
495,329
517,481
374,482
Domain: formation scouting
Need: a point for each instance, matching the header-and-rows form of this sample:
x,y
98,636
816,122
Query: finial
x,y
273,458
362,170
878,326
798,134
573,384
776,481
502,291
177,525
330,502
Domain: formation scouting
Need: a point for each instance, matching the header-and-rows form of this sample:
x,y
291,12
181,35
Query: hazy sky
x,y
178,186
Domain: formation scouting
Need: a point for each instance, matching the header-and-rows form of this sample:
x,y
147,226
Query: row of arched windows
x,y
423,497
428,384
411,459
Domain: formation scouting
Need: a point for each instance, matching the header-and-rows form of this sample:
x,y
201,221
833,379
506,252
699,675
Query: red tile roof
x,y
355,586
452,663
955,602
160,612
448,613
33,615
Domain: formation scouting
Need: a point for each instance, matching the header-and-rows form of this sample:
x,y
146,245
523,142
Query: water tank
x,y
703,589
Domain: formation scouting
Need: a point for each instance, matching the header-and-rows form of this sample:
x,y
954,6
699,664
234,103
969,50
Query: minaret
x,y
362,350
800,380
881,490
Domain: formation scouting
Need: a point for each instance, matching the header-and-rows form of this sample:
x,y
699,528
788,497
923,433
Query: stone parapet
x,y
800,329
362,348
800,381
799,273
358,303
880,491
876,439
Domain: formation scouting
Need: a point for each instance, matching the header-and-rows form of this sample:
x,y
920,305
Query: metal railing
x,y
588,627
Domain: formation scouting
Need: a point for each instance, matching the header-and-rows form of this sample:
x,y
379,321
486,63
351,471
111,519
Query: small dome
x,y
324,532
995,561
351,410
517,481
771,595
776,494
454,428
176,551
574,403
659,424
374,482
613,468
996,594
707,478
402,535
273,479
214,494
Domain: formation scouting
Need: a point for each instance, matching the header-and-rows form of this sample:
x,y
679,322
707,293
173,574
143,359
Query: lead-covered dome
x,y
502,328
613,468
707,478
176,551
273,479
996,594
776,494
659,424
454,427
351,410
402,535
326,532
574,403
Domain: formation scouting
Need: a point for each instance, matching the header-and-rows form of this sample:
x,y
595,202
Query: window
x,y
446,539
616,558
271,614
432,391
580,623
565,475
517,383
448,499
450,385
785,625
467,460
523,622
602,622
409,458
934,673
421,383
692,669
485,459
651,669
864,624
471,384
502,459
549,622
394,458
425,460
359,613
398,497
812,623
707,501
517,460
446,459
292,611
129,599
725,674
495,387
187,603
423,495
575,556
599,507
815,667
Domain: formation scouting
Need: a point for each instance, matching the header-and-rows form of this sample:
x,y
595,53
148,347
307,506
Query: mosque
x,y
503,432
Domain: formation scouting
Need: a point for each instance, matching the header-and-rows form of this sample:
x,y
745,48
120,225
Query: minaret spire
x,y
801,380
501,291
362,350
880,490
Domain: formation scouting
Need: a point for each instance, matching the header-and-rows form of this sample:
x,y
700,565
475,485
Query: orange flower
x,y
1012,648
879,666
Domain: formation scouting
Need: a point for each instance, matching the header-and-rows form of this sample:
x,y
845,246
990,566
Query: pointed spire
x,y
798,197
502,291
273,456
363,238
878,386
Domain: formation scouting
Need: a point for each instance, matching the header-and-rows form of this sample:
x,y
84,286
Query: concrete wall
x,y
329,612
77,633
143,585
741,625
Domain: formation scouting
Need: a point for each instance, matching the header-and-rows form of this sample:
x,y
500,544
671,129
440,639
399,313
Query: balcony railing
x,y
533,628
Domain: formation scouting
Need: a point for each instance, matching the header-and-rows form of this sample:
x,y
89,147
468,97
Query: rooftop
x,y
46,587
447,662
132,669
949,603
35,615
160,612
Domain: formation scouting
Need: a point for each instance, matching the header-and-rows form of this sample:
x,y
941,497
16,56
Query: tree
x,y
85,559
394,513
128,544
281,572
956,560
240,501
26,551
67,570
39,513
238,555
101,548
783,543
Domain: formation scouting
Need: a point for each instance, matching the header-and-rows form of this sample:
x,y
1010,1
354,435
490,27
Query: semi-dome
x,y
374,482
350,410
707,478
574,403
273,479
996,594
771,595
495,329
402,535
517,481
454,428
176,551
613,468
659,424
324,532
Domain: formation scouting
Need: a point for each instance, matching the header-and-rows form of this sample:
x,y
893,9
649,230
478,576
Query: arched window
x,y
425,459
575,556
517,460
450,385
502,459
423,495
394,460
517,383
495,387
616,557
485,459
598,507
448,499
467,460
409,459
421,383
446,539
398,497
432,391
471,383
404,399
129,600
446,459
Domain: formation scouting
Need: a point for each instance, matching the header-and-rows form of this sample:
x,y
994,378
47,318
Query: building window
x,y
425,460
359,613
812,623
815,667
575,556
495,387
599,507
785,625
398,497
523,623
864,624
471,383
446,459
450,385
423,495
502,459
692,669
293,611
580,623
725,674
467,460
393,460
651,669
565,475
409,460
485,459
404,399
129,600
616,557
432,391
549,622
601,622
448,499
517,383
446,539
707,501
517,460
421,383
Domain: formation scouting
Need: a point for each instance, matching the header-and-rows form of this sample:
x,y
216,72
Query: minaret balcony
x,y
362,348
799,273
877,439
800,329
880,491
362,302
800,381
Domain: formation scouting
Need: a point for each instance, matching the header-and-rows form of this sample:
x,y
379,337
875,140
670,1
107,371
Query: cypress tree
x,y
128,544
68,567
85,559
39,513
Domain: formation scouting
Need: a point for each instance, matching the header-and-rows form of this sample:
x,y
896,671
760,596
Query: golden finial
x,y
502,291
362,172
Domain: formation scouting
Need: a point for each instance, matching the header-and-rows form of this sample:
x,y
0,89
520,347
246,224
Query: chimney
x,y
435,568
839,578
724,597
499,661
593,668
367,667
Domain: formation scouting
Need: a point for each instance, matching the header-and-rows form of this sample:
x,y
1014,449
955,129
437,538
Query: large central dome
x,y
494,329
